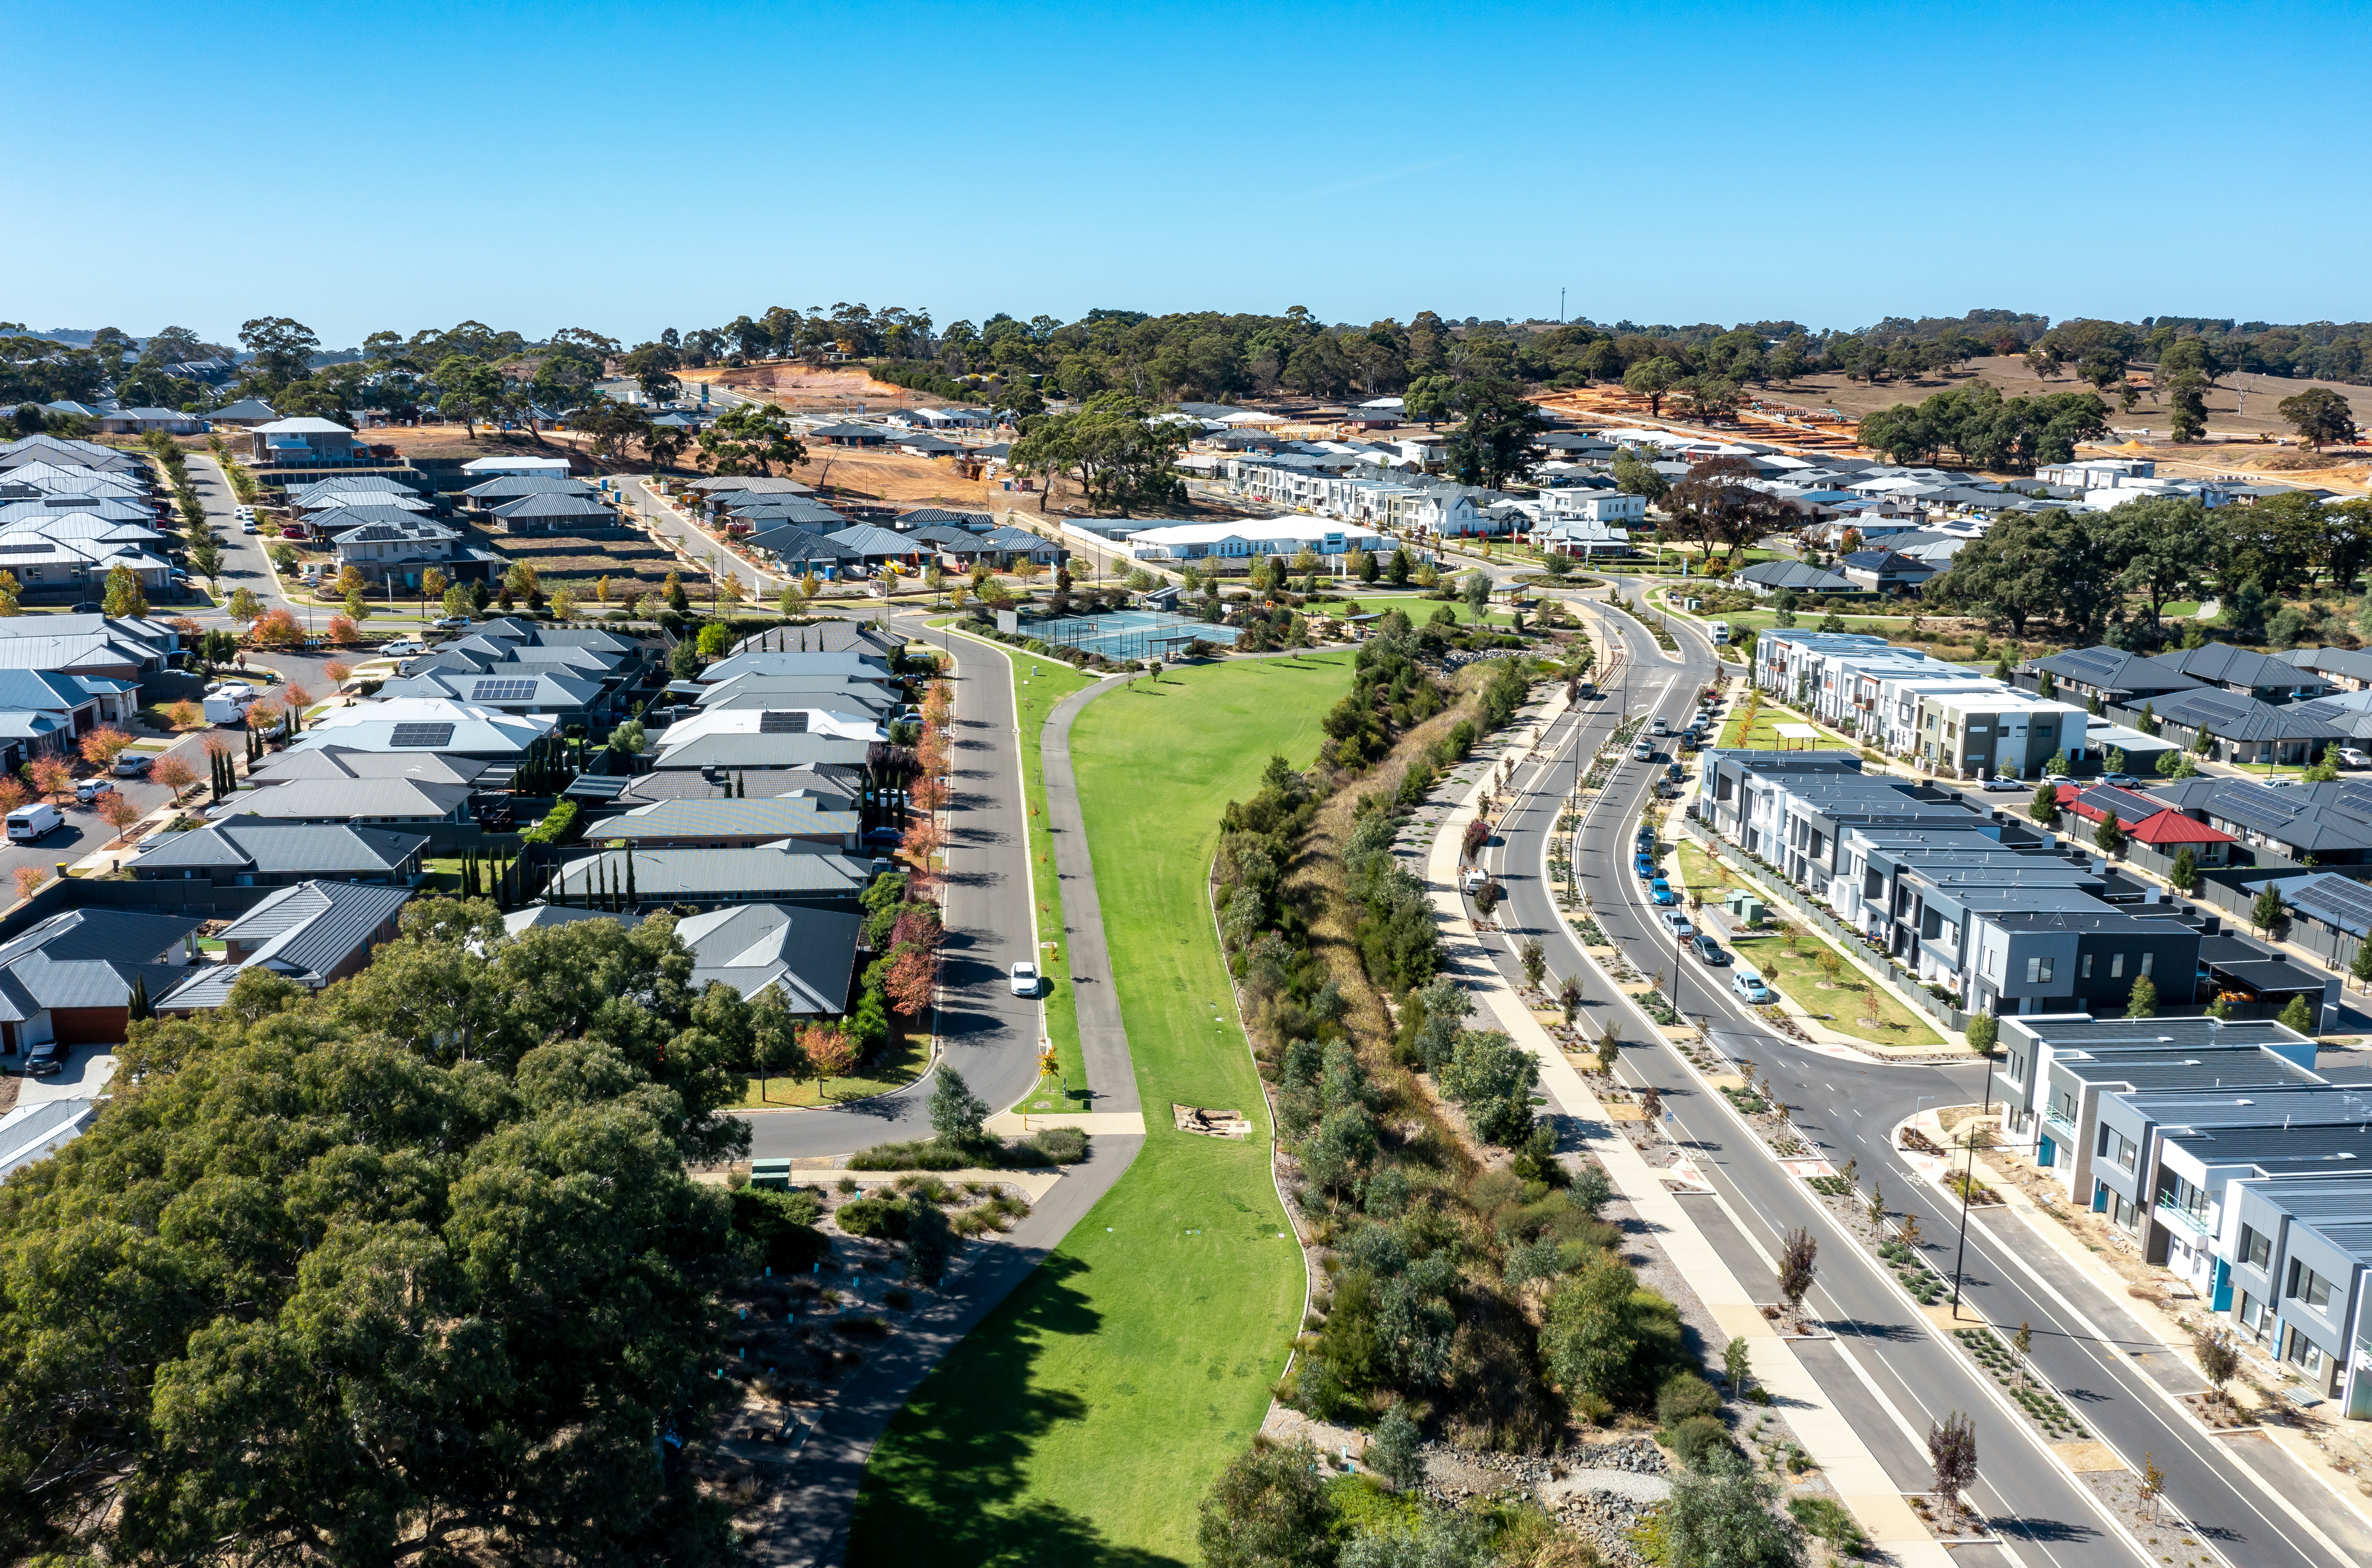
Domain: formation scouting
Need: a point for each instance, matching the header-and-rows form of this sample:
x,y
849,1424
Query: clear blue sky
x,y
630,168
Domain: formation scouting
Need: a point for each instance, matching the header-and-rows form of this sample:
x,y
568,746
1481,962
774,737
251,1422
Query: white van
x,y
224,707
1717,630
30,824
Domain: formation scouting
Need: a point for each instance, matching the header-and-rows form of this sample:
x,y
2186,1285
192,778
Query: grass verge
x,y
899,1063
1083,1422
1040,683
1850,1005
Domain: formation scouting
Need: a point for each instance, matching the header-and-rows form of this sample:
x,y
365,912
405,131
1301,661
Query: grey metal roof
x,y
714,875
2113,669
343,800
279,848
305,932
832,782
871,542
754,817
339,762
2235,717
574,506
2221,664
33,1133
810,953
1794,574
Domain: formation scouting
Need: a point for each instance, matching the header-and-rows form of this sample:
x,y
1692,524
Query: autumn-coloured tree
x,y
343,631
29,880
13,794
102,745
49,776
276,629
829,1051
296,699
337,670
184,714
174,772
921,843
916,926
120,813
929,794
910,982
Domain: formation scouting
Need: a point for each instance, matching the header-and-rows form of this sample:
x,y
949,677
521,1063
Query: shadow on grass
x,y
947,1484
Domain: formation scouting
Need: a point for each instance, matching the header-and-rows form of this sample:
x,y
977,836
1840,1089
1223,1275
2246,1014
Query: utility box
x,y
1744,908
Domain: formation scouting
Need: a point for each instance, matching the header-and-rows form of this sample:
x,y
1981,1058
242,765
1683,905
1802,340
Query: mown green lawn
x,y
1416,606
1083,1422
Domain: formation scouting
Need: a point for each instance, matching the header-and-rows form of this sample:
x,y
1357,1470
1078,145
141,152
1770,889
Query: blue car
x,y
1644,867
1661,892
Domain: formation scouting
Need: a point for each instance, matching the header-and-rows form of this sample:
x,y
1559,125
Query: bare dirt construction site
x,y
806,388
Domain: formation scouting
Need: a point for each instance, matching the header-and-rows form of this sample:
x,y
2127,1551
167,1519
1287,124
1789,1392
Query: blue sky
x,y
630,168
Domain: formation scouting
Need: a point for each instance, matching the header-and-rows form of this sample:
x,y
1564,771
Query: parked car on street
x,y
1025,980
1709,951
1676,922
451,623
1660,892
1748,985
1997,784
133,765
1642,752
92,790
27,824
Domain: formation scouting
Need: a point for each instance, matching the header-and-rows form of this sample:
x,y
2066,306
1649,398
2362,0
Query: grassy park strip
x,y
1847,1003
1084,1421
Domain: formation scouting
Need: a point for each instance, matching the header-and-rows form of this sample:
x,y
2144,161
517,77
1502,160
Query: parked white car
x,y
1025,980
1678,923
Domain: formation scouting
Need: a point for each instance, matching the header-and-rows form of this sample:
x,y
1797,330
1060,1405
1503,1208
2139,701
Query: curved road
x,y
1886,1370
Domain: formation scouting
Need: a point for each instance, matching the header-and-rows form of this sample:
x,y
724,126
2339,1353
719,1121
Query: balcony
x,y
2185,1222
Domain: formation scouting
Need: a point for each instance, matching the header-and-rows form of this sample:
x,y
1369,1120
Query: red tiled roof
x,y
2171,827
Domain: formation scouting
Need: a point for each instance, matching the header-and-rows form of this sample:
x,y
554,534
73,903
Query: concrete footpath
x,y
1861,1482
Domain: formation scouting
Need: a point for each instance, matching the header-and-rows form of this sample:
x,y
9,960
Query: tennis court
x,y
1129,633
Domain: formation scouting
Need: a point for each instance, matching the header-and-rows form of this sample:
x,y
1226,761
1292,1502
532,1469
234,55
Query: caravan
x,y
1718,631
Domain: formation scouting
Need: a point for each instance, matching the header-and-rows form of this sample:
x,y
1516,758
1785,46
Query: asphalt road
x,y
990,1035
2084,1344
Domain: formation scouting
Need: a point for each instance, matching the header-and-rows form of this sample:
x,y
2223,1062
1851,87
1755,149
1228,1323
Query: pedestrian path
x,y
1825,1432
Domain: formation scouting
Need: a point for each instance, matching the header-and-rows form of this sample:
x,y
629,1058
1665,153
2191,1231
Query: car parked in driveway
x,y
1025,979
46,1059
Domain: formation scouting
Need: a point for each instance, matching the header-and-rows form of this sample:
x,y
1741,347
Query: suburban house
x,y
789,822
429,723
252,852
140,420
552,513
300,441
244,414
1884,571
643,879
1768,577
72,977
313,933
810,954
384,802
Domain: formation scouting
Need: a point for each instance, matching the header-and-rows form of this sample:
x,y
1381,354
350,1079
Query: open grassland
x,y
1082,1423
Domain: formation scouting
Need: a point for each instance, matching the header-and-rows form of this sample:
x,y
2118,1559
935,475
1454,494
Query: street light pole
x,y
1968,1181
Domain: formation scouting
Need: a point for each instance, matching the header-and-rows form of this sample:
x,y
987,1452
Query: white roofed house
x,y
300,440
1252,536
428,723
140,420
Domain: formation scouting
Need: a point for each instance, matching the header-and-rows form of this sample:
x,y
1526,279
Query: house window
x,y
2116,965
2256,1247
2254,1314
2148,961
2117,1146
2308,1287
2086,969
2037,971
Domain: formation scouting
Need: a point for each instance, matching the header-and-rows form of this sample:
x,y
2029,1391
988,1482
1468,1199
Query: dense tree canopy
x,y
1985,430
410,1271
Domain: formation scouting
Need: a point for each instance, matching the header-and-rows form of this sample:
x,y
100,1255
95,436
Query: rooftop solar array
x,y
2222,708
426,736
791,722
2336,901
503,691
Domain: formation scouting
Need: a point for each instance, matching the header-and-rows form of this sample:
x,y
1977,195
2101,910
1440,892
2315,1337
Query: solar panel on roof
x,y
793,722
422,735
503,691
2224,710
2276,802
2329,897
2355,797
